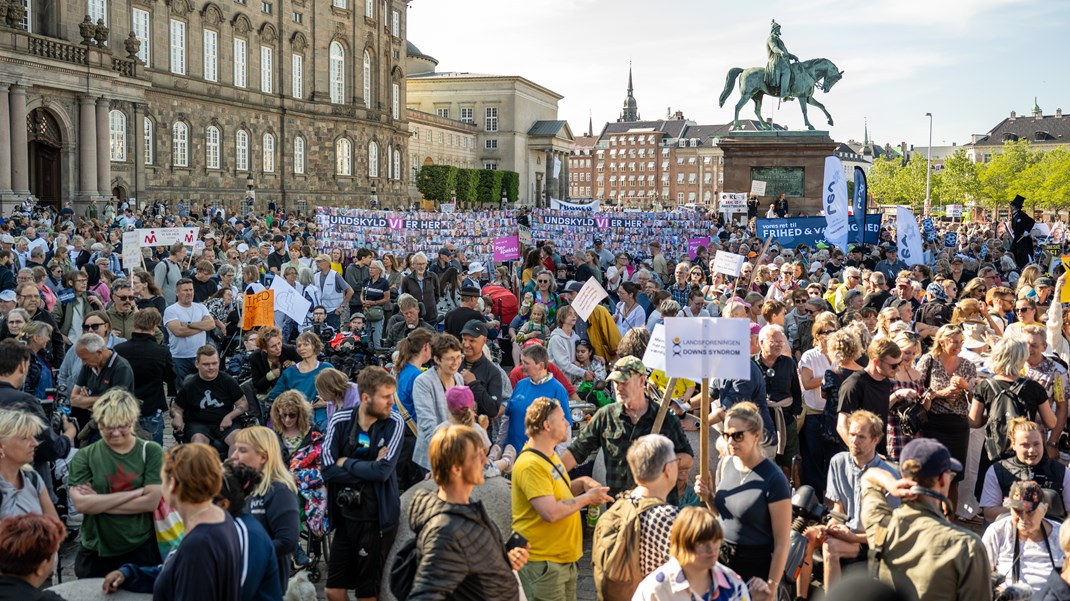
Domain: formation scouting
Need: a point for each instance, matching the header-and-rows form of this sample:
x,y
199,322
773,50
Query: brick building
x,y
300,101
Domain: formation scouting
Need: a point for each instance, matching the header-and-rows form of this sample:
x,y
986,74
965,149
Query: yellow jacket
x,y
604,334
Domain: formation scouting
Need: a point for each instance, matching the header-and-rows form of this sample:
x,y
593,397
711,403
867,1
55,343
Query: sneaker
x,y
509,454
495,452
300,558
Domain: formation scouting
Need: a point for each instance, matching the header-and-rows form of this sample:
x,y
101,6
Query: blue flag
x,y
859,202
951,240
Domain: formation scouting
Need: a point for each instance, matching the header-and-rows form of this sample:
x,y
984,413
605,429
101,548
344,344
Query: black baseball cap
x,y
475,327
934,457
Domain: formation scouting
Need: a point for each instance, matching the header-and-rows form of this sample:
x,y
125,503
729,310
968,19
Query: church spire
x,y
590,123
866,140
631,110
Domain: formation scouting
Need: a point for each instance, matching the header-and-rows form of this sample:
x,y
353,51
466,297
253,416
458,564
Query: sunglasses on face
x,y
93,326
1022,309
734,436
125,297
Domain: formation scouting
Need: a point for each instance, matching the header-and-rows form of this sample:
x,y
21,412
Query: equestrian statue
x,y
784,77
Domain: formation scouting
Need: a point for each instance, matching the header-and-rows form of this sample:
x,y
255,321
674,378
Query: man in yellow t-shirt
x,y
546,506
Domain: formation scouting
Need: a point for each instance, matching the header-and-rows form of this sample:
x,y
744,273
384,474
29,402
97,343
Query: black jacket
x,y
17,589
7,278
56,349
258,365
462,557
428,295
487,387
380,474
52,446
153,368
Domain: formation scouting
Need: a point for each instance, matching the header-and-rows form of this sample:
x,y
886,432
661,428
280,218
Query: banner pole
x,y
704,430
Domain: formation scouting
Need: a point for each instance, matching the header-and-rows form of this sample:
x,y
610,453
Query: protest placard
x,y
728,263
707,347
732,202
694,243
757,188
588,298
507,248
259,310
131,251
166,236
954,211
654,357
293,305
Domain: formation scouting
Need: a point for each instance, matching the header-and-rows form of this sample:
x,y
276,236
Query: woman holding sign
x,y
629,313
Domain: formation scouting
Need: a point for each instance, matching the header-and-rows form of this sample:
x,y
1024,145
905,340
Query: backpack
x,y
615,549
830,415
403,570
503,303
1006,406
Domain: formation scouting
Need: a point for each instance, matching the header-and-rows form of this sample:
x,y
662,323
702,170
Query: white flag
x,y
288,301
908,236
835,203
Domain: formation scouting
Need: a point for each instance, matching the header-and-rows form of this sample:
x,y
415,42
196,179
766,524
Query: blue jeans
x,y
377,333
153,424
183,368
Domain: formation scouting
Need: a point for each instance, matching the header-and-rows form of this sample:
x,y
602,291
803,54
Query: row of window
x,y
369,12
213,147
490,116
614,140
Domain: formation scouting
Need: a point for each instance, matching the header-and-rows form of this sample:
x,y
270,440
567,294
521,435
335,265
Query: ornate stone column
x,y
20,156
87,148
5,141
104,148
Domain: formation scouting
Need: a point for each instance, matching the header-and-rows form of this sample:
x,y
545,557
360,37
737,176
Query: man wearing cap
x,y
476,273
334,291
456,319
613,428
959,274
890,266
480,373
1021,225
280,256
358,275
657,261
7,302
444,262
916,548
605,257
1025,545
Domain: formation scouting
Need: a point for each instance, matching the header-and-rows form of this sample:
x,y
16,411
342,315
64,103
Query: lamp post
x,y
928,167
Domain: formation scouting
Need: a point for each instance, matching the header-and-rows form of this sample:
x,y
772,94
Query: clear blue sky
x,y
969,62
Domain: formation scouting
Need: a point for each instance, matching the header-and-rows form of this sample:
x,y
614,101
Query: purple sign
x,y
694,243
507,248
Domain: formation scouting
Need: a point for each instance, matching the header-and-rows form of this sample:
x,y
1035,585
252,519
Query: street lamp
x,y
928,166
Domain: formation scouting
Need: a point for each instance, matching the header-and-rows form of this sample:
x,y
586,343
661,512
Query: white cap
x,y
475,267
243,248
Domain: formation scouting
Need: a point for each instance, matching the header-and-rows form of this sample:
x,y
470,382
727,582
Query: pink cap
x,y
754,329
460,398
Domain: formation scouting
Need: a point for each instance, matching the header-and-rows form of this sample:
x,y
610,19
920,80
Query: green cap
x,y
625,368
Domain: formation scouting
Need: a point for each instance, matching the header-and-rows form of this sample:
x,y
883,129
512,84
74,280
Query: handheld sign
x,y
287,300
259,310
757,188
588,298
693,245
707,347
654,357
131,251
167,236
507,248
728,263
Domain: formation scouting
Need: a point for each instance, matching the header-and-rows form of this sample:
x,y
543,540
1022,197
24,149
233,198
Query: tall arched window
x,y
367,79
299,155
241,150
389,163
180,144
147,134
211,147
373,159
117,135
397,164
338,74
269,153
343,152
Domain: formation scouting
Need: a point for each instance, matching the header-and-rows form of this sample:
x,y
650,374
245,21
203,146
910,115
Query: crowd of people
x,y
901,419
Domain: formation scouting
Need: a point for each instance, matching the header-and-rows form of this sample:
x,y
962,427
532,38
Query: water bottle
x,y
593,511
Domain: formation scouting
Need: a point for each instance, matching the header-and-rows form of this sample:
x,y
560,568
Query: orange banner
x,y
259,310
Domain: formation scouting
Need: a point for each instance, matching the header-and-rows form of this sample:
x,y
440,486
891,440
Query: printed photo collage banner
x,y
401,232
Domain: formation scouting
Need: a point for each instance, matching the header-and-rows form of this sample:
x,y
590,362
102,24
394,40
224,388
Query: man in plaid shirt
x,y
616,426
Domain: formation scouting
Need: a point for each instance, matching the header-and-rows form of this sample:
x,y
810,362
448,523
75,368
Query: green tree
x,y
511,183
1009,173
891,182
960,179
467,184
490,186
437,182
1054,171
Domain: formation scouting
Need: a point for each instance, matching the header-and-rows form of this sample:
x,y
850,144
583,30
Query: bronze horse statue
x,y
806,76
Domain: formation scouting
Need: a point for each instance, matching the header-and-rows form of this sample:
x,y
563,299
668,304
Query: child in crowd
x,y
461,405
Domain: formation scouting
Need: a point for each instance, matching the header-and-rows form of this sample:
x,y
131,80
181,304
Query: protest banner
x,y
289,301
259,310
588,298
728,263
707,347
401,232
448,207
572,207
131,251
954,211
693,245
908,236
629,232
835,203
167,236
757,188
793,231
507,248
524,233
859,203
731,202
1064,296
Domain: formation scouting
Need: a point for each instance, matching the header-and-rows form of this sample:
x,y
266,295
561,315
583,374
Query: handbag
x,y
374,313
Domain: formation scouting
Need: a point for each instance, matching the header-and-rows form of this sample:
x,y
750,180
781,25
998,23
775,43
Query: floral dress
x,y
304,452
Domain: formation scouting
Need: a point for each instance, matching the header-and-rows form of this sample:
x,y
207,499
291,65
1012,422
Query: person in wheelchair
x,y
319,325
209,403
406,320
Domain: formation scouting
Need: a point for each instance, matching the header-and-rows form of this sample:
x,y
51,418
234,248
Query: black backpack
x,y
1006,406
830,389
403,570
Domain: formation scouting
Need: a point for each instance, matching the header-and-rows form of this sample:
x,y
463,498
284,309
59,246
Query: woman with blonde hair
x,y
336,390
885,319
117,524
1027,282
274,500
694,548
23,490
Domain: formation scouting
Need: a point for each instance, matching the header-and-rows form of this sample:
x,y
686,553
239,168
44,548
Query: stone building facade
x,y
300,102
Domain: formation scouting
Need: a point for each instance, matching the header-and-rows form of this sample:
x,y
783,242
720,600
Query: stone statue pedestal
x,y
792,162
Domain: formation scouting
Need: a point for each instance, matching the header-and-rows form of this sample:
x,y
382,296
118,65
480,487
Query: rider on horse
x,y
778,66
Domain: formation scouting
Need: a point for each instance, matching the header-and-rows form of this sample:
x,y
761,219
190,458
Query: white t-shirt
x,y
185,347
818,364
1036,565
992,496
